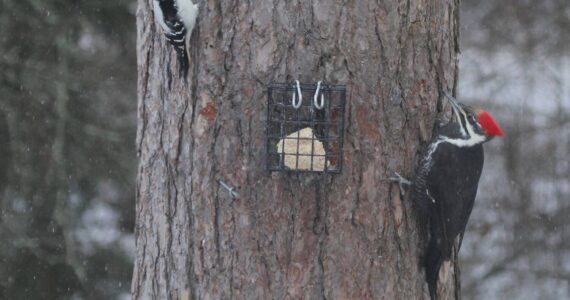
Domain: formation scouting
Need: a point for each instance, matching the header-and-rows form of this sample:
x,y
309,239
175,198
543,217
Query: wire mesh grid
x,y
305,139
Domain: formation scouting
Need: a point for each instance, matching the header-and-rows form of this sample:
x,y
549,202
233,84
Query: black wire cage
x,y
305,127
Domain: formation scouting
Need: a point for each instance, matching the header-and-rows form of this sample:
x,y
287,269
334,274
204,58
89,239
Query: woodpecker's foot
x,y
401,181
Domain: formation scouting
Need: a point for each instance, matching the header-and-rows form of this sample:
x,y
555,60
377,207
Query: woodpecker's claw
x,y
401,181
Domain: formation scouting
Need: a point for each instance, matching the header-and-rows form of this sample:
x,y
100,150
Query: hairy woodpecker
x,y
177,18
445,182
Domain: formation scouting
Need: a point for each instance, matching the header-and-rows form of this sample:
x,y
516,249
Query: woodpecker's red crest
x,y
489,124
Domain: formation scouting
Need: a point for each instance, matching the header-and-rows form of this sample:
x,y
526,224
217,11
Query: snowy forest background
x,y
68,161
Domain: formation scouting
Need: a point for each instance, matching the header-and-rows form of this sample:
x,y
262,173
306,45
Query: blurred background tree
x,y
67,159
516,63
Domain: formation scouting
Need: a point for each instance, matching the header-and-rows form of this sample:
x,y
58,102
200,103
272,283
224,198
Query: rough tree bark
x,y
288,236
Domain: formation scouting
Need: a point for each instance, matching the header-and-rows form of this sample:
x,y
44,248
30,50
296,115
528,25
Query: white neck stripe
x,y
473,140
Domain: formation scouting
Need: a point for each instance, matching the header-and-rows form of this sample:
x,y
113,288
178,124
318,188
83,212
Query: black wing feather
x,y
451,190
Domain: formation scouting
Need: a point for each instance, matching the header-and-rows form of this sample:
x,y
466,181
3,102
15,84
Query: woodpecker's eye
x,y
472,119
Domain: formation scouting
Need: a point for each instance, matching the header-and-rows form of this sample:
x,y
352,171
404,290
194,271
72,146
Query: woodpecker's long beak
x,y
454,104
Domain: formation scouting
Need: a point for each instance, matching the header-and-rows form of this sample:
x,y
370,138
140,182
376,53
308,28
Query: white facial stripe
x,y
472,134
467,125
458,117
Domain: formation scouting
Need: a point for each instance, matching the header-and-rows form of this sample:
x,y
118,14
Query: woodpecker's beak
x,y
455,106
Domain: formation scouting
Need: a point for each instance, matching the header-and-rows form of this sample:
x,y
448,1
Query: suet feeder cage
x,y
305,127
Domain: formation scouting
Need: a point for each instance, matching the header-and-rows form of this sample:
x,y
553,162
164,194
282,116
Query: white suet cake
x,y
305,143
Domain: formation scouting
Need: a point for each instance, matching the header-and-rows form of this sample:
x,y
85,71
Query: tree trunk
x,y
287,236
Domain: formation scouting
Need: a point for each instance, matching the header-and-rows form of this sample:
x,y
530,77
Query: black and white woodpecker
x,y
445,182
177,19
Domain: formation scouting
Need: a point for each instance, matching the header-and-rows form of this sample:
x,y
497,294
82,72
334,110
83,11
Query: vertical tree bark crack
x,y
142,104
180,135
356,196
217,228
156,268
321,276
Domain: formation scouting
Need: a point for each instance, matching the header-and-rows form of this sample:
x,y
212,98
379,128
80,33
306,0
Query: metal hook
x,y
316,97
231,190
296,104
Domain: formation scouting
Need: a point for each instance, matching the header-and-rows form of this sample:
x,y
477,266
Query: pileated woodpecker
x,y
445,182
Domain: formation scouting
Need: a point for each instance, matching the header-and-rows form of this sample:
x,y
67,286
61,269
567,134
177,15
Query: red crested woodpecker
x,y
445,182
177,19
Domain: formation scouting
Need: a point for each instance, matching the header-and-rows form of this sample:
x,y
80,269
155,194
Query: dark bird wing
x,y
446,184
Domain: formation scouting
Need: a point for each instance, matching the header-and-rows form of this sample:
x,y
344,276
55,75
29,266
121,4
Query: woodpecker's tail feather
x,y
184,64
433,260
